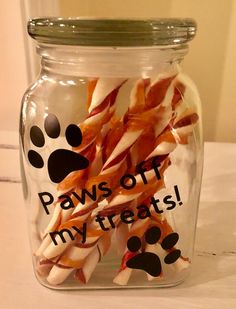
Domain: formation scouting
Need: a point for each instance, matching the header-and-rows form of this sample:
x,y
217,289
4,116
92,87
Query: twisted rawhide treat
x,y
140,101
151,119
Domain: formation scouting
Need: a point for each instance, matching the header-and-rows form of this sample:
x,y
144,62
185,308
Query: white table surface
x,y
212,283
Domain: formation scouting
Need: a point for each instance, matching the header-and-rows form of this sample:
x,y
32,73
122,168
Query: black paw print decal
x,y
61,162
148,261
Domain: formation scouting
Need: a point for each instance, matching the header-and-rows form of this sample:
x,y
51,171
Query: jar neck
x,y
110,61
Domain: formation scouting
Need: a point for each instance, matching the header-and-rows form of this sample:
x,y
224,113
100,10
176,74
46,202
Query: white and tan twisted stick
x,y
176,133
140,106
101,104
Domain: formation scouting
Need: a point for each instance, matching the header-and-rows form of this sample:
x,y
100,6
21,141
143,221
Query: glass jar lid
x,y
112,32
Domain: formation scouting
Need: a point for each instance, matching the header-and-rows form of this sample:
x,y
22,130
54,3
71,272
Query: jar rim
x,y
112,32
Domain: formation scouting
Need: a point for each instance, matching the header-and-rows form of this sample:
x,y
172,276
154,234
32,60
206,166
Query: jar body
x,y
111,167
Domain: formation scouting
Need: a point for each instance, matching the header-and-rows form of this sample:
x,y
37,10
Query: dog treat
x,y
128,158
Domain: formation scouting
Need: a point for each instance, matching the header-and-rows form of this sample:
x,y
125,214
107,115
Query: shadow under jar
x,y
111,153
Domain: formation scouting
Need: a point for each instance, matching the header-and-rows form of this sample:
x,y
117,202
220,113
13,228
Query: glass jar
x,y
111,153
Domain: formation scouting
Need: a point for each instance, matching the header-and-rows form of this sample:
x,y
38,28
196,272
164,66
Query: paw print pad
x,y
61,162
148,261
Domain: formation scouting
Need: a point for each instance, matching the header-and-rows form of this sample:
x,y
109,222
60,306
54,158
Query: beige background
x,y
210,62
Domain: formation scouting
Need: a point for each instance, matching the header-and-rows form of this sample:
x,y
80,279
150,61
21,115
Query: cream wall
x,y
13,69
210,62
18,64
226,117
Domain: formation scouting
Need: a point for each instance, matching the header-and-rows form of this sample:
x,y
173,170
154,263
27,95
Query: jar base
x,y
137,282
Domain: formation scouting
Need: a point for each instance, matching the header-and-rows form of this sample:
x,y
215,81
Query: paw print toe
x,y
134,244
73,135
153,235
172,257
35,159
52,126
37,137
170,241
